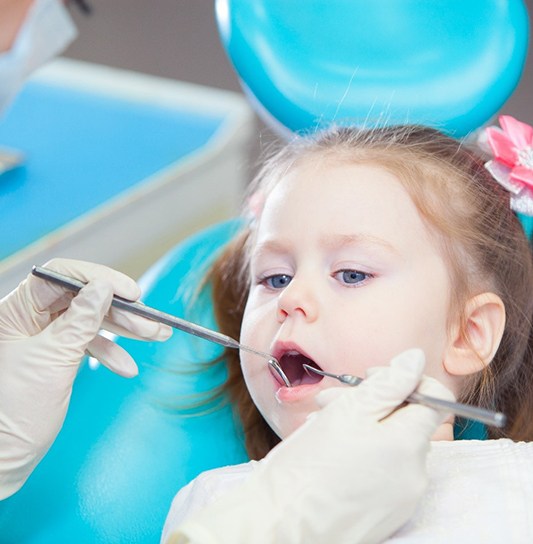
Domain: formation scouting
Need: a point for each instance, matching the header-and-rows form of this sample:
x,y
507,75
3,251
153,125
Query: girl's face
x,y
344,275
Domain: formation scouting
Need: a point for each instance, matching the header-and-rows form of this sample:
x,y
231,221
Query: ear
x,y
473,348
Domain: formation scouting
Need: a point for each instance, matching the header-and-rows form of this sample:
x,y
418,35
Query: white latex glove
x,y
45,332
354,472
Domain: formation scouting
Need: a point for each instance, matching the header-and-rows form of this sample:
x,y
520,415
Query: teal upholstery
x,y
124,449
299,77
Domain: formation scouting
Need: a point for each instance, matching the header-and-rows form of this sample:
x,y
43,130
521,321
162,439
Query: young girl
x,y
364,244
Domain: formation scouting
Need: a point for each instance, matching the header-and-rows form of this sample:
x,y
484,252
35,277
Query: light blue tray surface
x,y
83,149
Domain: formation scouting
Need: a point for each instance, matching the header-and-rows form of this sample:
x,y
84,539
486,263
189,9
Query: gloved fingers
x,y
329,395
433,388
129,325
417,421
384,390
125,323
18,316
45,294
72,331
332,394
35,303
424,419
372,370
113,357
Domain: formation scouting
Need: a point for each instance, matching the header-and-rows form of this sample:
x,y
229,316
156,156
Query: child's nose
x,y
297,299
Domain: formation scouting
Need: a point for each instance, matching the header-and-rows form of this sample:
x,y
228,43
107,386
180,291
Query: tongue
x,y
292,365
310,377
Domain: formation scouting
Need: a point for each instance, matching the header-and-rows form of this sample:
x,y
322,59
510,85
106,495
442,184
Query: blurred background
x,y
131,174
179,39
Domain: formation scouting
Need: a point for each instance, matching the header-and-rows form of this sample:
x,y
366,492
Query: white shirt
x,y
480,491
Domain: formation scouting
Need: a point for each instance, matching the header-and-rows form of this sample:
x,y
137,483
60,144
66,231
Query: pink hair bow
x,y
512,166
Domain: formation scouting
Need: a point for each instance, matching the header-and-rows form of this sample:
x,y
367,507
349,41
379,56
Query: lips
x,y
291,360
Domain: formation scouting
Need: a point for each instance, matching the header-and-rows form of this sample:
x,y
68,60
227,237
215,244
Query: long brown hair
x,y
481,239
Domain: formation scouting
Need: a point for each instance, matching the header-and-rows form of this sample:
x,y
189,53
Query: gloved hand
x,y
354,472
45,332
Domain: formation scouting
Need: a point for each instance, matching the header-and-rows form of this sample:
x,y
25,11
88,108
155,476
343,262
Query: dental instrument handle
x,y
495,419
488,417
138,308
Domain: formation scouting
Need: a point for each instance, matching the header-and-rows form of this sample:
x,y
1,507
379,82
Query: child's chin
x,y
291,426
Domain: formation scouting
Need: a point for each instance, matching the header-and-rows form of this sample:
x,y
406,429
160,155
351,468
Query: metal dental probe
x,y
142,310
495,419
277,367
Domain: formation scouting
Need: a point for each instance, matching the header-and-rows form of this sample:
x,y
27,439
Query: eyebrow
x,y
330,241
335,241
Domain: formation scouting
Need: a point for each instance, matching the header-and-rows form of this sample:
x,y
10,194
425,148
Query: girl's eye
x,y
277,281
351,277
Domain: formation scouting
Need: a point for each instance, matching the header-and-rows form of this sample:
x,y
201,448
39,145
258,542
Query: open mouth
x,y
292,363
